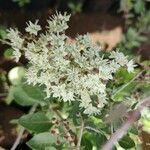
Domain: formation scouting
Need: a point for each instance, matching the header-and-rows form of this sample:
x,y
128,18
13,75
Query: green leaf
x,y
123,76
37,122
27,95
134,130
126,5
73,112
124,90
87,141
100,140
42,141
22,3
120,96
50,148
126,142
91,140
139,6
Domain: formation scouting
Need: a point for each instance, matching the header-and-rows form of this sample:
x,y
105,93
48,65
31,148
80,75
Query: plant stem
x,y
22,130
93,129
18,139
80,135
124,128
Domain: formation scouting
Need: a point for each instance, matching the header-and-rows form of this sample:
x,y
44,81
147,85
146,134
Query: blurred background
x,y
124,24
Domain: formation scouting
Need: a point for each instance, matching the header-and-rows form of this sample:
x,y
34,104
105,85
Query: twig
x,y
80,135
124,128
18,139
93,129
124,86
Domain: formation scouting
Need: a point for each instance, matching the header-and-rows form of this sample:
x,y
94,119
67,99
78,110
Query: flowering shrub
x,y
71,85
69,71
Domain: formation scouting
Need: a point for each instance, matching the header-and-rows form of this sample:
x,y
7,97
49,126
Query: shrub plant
x,y
79,93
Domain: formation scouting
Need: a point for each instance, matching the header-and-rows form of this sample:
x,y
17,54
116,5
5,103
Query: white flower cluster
x,y
69,71
16,42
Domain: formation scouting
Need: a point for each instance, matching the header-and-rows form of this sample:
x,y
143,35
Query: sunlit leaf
x,y
42,141
27,95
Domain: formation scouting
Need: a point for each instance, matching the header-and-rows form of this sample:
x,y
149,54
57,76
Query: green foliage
x,y
64,125
37,122
42,141
93,140
126,142
126,5
75,7
137,18
143,22
134,130
132,7
122,76
133,39
26,95
139,6
22,3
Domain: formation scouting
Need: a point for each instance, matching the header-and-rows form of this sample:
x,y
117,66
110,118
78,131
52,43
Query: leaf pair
x,y
39,124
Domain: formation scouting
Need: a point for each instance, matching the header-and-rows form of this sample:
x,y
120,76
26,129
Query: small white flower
x,y
69,96
58,23
33,28
90,110
101,100
31,75
93,83
31,46
105,72
85,99
130,66
15,39
61,93
114,66
119,57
